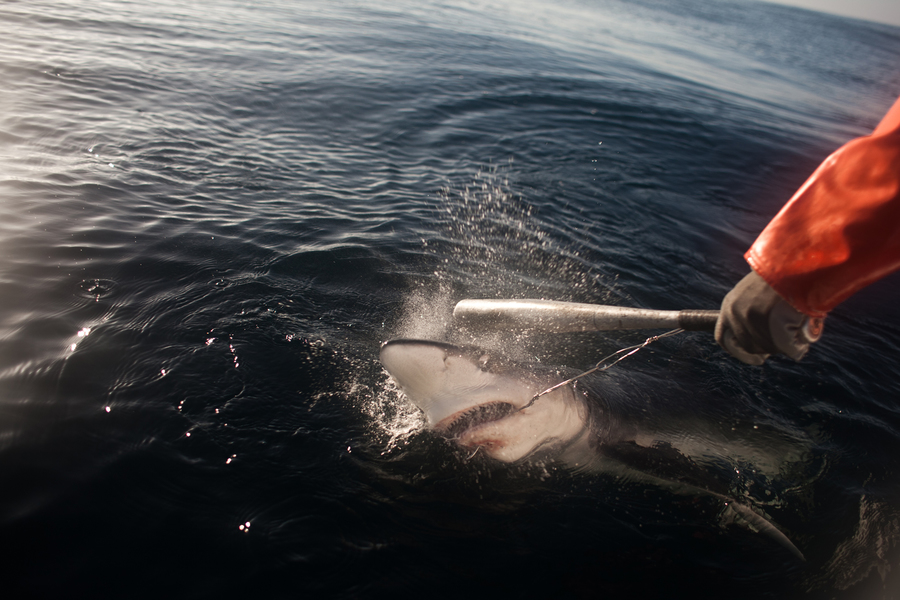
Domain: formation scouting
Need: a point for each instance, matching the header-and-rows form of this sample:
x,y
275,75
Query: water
x,y
213,213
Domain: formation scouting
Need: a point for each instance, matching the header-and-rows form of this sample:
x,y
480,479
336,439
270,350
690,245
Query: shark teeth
x,y
478,415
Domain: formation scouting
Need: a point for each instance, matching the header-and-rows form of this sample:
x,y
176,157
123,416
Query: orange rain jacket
x,y
841,230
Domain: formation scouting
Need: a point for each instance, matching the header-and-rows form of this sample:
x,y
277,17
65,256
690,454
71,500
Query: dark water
x,y
212,214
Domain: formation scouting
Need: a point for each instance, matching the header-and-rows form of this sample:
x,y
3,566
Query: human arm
x,y
837,234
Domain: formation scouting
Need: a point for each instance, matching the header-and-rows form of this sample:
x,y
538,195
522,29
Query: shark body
x,y
501,408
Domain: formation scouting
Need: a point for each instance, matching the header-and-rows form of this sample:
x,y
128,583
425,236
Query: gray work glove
x,y
755,322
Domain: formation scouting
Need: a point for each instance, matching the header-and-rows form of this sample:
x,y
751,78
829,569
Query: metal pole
x,y
553,316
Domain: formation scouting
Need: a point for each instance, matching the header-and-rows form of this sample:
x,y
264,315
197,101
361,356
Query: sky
x,y
881,11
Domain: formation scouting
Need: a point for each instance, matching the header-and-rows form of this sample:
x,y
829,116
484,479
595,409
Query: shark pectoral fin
x,y
743,515
682,475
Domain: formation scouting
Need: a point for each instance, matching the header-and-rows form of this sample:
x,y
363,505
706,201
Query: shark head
x,y
485,403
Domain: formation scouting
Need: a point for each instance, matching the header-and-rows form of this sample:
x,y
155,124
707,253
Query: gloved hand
x,y
755,322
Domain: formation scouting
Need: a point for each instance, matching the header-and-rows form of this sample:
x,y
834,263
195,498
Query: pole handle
x,y
691,319
561,317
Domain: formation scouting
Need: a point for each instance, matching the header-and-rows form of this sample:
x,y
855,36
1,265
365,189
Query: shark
x,y
515,412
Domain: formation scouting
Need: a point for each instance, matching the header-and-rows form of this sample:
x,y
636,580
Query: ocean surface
x,y
213,213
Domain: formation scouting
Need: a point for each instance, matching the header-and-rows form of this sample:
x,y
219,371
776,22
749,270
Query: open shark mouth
x,y
455,426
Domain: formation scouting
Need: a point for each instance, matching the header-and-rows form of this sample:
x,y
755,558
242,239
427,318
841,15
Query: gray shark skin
x,y
483,403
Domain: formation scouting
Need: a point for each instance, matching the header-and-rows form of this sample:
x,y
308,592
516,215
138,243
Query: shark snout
x,y
445,381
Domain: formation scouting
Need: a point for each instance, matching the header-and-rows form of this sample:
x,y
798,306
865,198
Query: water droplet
x,y
96,288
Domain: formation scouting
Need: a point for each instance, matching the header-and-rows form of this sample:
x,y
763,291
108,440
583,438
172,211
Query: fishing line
x,y
600,366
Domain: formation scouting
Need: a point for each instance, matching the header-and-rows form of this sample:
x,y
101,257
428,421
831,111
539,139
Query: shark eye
x,y
483,362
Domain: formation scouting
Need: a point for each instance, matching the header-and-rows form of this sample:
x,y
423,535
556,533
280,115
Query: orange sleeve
x,y
841,230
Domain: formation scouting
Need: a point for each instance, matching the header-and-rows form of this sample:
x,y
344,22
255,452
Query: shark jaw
x,y
482,403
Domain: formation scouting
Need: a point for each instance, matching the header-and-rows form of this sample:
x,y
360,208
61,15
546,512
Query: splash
x,y
394,419
426,314
494,242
